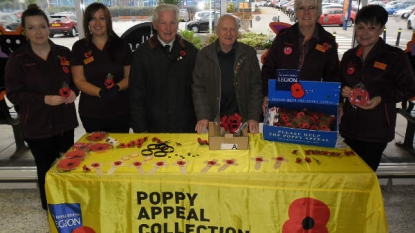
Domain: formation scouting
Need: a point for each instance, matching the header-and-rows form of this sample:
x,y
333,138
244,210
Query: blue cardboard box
x,y
289,93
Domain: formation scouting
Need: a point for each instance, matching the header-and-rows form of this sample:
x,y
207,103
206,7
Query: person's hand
x,y
341,112
372,103
54,100
71,98
202,126
109,93
253,126
346,90
265,105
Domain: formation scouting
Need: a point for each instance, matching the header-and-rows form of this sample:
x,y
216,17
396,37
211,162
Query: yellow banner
x,y
273,187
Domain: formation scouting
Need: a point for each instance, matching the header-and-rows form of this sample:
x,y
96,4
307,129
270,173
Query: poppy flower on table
x,y
75,154
96,136
85,146
68,164
100,147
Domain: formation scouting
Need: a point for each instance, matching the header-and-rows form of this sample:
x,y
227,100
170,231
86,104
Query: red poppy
x,y
88,54
350,70
68,164
231,123
2,94
297,90
65,91
307,215
82,146
230,161
182,53
109,81
100,147
211,163
350,152
359,96
160,164
288,50
314,127
96,136
259,159
83,229
139,141
75,153
86,168
300,114
65,69
95,165
137,164
326,46
181,163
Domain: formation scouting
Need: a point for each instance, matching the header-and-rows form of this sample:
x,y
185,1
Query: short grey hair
x,y
318,4
230,17
165,7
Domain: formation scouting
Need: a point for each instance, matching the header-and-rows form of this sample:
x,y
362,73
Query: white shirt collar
x,y
164,43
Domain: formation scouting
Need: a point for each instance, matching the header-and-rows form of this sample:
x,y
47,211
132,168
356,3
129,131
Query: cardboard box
x,y
228,141
314,96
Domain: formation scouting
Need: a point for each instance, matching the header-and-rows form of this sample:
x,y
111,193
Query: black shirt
x,y
228,103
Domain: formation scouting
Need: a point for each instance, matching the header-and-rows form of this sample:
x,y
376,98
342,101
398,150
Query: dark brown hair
x,y
33,10
89,14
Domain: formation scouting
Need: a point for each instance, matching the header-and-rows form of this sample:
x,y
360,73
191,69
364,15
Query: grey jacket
x,y
207,80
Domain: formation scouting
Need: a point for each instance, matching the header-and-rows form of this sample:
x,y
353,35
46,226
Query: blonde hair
x,y
318,5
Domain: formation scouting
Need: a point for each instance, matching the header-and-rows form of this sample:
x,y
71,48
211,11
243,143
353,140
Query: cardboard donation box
x,y
302,112
220,140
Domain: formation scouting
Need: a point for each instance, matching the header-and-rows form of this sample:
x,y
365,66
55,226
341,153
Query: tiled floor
x,y
21,211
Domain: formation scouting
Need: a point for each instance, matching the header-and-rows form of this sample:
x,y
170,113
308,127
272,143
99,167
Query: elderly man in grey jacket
x,y
227,79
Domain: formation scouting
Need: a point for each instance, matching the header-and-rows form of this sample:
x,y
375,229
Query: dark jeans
x,y
46,151
119,124
370,152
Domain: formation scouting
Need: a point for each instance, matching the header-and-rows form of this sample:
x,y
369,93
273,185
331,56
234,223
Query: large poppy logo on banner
x,y
68,218
307,215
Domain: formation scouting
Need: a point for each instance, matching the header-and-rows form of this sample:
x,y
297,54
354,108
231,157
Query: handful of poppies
x,y
301,119
231,123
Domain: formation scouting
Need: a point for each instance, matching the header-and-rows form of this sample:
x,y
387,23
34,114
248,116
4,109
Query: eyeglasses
x,y
303,9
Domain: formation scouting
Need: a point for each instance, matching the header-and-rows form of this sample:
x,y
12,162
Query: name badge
x,y
380,65
320,48
88,60
65,63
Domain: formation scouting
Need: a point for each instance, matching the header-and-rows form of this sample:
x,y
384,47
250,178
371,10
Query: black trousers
x,y
119,124
370,152
46,151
